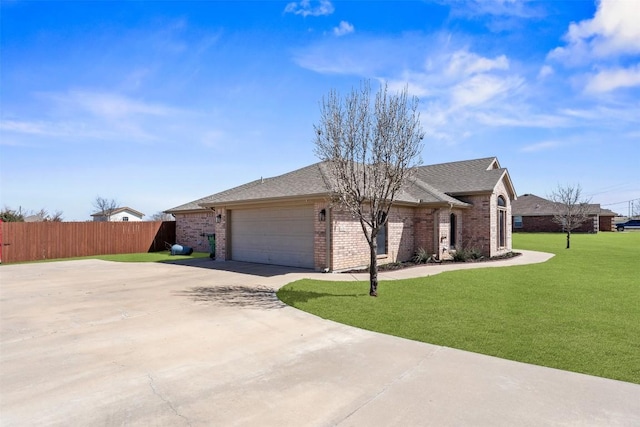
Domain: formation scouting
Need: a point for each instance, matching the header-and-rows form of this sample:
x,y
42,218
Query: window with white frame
x,y
502,222
517,221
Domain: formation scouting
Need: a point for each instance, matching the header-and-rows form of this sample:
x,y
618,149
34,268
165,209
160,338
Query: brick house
x,y
291,220
535,214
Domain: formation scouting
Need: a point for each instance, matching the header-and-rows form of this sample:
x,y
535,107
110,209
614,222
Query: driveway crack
x,y
391,383
167,401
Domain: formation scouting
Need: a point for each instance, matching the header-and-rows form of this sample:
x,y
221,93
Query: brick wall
x,y
480,223
408,230
401,239
476,224
222,253
320,235
350,247
545,224
606,223
501,190
424,229
192,229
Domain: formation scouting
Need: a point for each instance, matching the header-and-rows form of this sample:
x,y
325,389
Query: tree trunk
x,y
568,240
373,269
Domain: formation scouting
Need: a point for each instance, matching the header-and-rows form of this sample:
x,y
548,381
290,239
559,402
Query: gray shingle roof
x,y
434,184
463,177
308,181
191,206
532,205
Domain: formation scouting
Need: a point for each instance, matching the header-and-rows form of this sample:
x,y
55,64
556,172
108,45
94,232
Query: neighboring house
x,y
535,214
118,214
35,218
291,219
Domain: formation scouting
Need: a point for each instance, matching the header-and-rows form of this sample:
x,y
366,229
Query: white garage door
x,y
281,236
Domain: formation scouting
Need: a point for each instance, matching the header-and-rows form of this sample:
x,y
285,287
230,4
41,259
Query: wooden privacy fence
x,y
31,241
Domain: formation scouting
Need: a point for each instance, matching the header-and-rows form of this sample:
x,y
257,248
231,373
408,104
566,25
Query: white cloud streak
x,y
541,146
521,9
612,79
82,115
310,8
343,29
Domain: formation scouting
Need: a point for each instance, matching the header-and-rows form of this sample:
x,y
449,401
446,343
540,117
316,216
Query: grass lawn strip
x,y
580,311
163,256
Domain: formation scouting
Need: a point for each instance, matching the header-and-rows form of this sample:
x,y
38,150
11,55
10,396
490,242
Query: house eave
x,y
266,201
185,211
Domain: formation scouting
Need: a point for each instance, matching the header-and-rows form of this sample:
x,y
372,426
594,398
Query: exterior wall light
x,y
322,216
218,218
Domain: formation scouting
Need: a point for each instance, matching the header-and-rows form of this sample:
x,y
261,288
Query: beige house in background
x,y
290,219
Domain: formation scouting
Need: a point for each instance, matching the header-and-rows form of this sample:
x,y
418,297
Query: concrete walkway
x,y
110,344
526,257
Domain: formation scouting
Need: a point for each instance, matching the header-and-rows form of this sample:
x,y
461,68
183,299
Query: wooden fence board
x,y
31,241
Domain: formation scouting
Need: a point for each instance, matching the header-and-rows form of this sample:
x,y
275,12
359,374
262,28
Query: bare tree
x,y
56,216
571,210
371,150
20,215
634,208
105,207
162,216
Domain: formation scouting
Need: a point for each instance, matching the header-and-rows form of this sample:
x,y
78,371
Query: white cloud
x,y
613,31
33,128
499,8
462,92
612,79
343,29
481,89
307,7
462,78
545,71
464,63
540,146
110,105
91,115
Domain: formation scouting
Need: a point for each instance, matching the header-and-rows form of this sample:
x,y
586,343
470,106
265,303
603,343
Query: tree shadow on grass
x,y
236,296
294,297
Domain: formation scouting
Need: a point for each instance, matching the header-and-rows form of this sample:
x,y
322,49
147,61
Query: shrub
x,y
467,254
422,256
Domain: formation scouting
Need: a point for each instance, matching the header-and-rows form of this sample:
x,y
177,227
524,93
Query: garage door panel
x,y
282,236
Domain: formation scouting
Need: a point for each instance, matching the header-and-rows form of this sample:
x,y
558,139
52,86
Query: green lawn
x,y
163,256
580,311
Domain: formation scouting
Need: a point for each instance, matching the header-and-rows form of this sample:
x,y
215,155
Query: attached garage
x,y
273,235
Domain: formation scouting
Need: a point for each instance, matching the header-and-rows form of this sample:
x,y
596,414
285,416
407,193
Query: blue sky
x,y
158,103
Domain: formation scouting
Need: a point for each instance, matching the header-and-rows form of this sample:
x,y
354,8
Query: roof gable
x,y
465,177
118,210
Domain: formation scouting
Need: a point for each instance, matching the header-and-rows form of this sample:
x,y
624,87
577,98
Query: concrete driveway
x,y
95,343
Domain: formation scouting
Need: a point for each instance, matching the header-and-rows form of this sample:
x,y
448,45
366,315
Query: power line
x,y
619,203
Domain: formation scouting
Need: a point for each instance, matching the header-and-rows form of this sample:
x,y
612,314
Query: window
x,y
452,231
381,238
502,222
517,221
125,218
